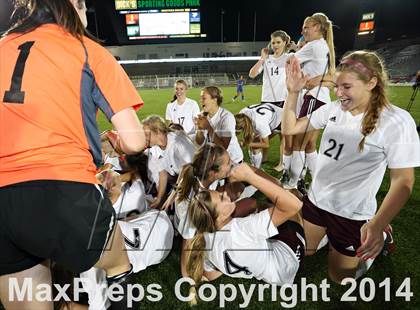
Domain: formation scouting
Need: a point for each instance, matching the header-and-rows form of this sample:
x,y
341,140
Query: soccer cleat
x,y
125,283
302,187
279,167
389,244
285,179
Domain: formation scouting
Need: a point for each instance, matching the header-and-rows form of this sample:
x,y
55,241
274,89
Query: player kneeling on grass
x,y
363,134
177,151
258,123
268,245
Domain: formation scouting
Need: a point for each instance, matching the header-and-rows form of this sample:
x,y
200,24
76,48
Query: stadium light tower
x,y
222,12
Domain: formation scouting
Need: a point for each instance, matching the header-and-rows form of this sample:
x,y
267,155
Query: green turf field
x,y
404,263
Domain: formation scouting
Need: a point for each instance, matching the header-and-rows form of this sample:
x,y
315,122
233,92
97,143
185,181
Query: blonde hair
x,y
284,36
215,93
367,65
206,159
156,124
325,26
244,124
203,214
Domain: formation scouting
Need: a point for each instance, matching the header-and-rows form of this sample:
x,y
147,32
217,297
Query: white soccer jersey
x,y
183,223
313,58
179,151
183,114
132,199
154,163
114,161
148,240
223,124
242,250
346,181
274,79
265,118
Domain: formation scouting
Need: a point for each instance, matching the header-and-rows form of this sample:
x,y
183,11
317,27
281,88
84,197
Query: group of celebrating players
x,y
97,206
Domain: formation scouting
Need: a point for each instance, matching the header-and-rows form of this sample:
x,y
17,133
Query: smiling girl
x,y
182,110
363,134
216,124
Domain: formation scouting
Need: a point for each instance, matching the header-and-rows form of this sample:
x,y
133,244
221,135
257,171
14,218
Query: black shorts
x,y
343,233
309,105
67,222
293,235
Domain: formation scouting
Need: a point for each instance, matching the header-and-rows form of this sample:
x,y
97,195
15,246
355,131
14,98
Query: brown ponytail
x,y
203,215
244,124
206,159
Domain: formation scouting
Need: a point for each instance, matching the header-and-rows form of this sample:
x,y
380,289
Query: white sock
x,y
311,162
287,160
296,167
256,159
363,267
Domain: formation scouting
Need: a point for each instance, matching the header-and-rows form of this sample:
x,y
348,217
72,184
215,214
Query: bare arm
x,y
295,83
212,275
130,131
263,143
223,141
199,137
286,205
255,70
402,182
163,182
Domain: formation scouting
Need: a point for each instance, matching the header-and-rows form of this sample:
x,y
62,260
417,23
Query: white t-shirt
x,y
223,124
313,58
265,118
274,79
179,151
183,114
148,240
132,199
242,250
346,181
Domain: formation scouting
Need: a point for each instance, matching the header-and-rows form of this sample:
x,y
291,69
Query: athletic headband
x,y
358,66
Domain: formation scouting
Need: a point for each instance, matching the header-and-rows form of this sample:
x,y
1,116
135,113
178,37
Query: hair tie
x,y
358,66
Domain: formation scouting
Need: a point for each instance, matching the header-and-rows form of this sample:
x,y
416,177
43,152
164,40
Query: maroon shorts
x,y
309,105
293,235
343,233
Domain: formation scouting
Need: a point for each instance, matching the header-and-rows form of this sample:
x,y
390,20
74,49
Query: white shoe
x,y
279,167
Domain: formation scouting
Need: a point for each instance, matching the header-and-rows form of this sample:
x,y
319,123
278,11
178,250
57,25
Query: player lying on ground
x,y
268,245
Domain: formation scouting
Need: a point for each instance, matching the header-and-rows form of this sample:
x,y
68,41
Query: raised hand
x,y
241,172
295,80
264,53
